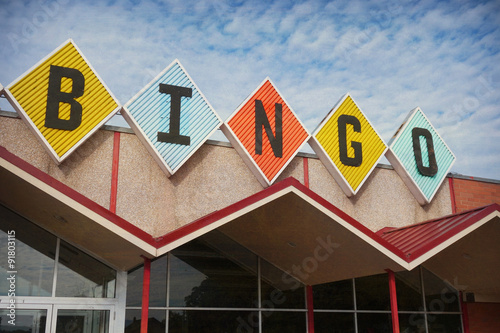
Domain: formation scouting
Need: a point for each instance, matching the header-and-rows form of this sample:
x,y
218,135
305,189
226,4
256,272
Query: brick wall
x,y
471,193
484,317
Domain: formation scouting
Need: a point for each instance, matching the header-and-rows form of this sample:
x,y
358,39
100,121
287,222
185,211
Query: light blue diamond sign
x,y
420,156
171,117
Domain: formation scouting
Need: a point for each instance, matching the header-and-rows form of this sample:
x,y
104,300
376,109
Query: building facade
x,y
105,240
155,228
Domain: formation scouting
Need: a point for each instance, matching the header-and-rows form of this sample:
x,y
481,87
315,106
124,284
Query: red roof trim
x,y
364,229
385,230
288,182
427,235
74,195
217,215
382,237
388,230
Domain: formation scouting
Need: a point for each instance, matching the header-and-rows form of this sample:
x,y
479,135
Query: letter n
x,y
55,96
261,121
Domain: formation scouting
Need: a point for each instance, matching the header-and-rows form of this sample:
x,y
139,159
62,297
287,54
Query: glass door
x,y
82,319
42,318
25,319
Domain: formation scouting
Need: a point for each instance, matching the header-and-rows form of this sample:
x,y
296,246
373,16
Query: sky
x,y
391,56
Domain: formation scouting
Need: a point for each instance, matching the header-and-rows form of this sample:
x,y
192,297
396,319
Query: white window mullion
x,y
259,294
423,298
355,306
56,264
167,301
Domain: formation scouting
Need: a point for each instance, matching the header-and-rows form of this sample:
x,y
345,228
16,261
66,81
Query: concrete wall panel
x,y
87,170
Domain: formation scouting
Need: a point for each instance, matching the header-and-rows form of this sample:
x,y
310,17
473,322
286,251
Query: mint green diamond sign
x,y
420,156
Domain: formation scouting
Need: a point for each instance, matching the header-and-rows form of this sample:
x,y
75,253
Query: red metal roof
x,y
417,239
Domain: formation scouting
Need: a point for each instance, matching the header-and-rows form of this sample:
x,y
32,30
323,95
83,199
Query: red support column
x,y
306,171
145,295
114,172
310,309
452,195
465,313
394,301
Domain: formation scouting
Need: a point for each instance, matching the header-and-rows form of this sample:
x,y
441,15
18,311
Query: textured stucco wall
x,y
87,170
213,178
383,201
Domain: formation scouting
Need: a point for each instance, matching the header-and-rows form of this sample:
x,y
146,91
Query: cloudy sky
x,y
391,56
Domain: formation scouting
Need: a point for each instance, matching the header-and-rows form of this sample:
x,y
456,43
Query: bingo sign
x,y
420,156
348,145
265,132
171,117
63,101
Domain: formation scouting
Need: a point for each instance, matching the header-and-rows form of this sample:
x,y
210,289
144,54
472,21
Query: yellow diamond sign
x,y
348,145
63,100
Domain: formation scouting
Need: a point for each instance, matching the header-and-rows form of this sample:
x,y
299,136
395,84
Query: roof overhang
x,y
472,263
66,213
287,224
298,231
462,249
312,243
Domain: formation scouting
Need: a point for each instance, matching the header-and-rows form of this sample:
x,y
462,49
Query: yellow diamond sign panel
x,y
348,145
63,100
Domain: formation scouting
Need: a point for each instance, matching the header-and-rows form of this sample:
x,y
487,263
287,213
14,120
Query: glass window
x,y
280,290
412,322
212,321
439,323
281,321
34,263
134,286
372,292
213,272
201,276
156,321
157,284
219,278
80,275
333,322
334,296
88,321
374,322
409,290
26,321
133,321
439,295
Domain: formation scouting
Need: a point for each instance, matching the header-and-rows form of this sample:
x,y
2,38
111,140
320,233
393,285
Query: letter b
x,y
56,96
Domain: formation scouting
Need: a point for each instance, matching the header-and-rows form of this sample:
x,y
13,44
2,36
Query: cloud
x,y
391,56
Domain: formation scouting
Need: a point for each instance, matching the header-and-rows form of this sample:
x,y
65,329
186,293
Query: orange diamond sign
x,y
266,132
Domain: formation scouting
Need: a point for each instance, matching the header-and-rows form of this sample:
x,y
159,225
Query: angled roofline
x,y
157,246
289,185
63,192
466,222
